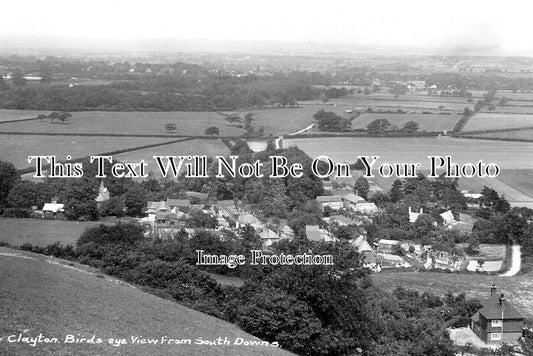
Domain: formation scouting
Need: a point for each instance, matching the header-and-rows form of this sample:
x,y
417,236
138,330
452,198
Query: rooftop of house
x,y
329,198
388,242
497,307
353,198
179,202
53,207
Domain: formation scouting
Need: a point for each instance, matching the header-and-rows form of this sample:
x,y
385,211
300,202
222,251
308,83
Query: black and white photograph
x,y
241,178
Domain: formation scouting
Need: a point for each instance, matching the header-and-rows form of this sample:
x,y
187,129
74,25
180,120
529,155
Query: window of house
x,y
497,323
496,336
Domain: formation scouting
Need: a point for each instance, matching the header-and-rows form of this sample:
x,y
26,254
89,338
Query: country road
x,y
515,262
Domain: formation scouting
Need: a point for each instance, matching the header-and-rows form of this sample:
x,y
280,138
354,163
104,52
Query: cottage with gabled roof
x,y
181,205
333,201
498,321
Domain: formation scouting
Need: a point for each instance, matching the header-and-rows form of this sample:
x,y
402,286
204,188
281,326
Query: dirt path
x,y
515,262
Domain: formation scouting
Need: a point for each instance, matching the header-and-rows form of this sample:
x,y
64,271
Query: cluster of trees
x,y
329,121
383,126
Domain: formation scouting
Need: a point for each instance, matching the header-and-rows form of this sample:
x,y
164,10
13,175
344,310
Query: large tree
x,y
8,178
362,187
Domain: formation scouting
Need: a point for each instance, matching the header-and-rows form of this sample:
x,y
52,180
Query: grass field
x,y
208,148
508,155
7,115
520,178
516,96
518,134
495,121
57,298
133,123
426,122
388,104
508,110
518,290
40,232
17,148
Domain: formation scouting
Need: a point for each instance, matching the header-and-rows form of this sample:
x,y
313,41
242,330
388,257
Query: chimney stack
x,y
501,300
493,290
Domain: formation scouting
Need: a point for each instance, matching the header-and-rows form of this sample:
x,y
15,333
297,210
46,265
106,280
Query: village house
x,y
53,210
366,208
413,216
314,233
387,246
498,321
179,205
160,212
351,200
333,201
269,237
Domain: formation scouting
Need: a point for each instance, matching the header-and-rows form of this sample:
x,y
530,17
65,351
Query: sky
x,y
503,26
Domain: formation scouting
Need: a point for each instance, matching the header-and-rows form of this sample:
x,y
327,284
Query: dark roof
x,y
492,310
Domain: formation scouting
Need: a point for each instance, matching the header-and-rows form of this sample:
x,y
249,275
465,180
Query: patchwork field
x,y
388,104
508,155
518,290
132,123
8,115
426,122
59,298
206,147
514,158
496,121
505,109
508,135
516,96
17,148
288,120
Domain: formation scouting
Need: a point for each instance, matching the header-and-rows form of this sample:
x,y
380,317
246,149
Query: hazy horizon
x,y
454,27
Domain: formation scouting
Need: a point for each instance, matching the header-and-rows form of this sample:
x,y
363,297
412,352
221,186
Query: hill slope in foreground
x,y
55,298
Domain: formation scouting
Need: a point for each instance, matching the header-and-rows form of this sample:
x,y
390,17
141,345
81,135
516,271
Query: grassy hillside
x,y
55,298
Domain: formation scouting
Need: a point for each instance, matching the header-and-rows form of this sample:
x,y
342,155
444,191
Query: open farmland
x,y
508,155
8,115
518,289
40,232
520,178
426,122
508,135
516,96
204,147
287,120
17,148
57,298
128,123
495,121
391,104
506,109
